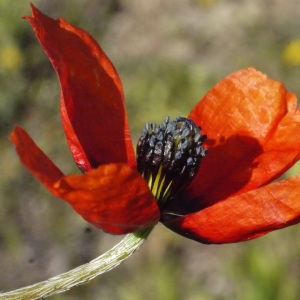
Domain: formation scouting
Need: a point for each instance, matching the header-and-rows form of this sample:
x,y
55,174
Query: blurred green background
x,y
168,54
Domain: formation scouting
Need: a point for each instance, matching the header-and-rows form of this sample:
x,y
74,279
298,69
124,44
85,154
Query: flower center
x,y
169,156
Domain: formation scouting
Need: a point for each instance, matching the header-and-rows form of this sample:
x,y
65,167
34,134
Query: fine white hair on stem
x,y
84,273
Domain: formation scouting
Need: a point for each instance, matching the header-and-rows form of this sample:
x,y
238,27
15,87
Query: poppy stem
x,y
84,273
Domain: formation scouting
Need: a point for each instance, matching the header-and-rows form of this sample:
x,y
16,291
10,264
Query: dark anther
x,y
169,156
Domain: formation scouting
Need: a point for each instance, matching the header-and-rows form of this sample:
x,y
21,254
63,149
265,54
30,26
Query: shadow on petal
x,y
232,161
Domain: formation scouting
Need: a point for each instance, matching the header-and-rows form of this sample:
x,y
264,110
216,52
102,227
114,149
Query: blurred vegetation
x,y
168,54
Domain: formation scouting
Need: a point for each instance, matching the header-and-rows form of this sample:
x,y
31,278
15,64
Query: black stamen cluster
x,y
169,155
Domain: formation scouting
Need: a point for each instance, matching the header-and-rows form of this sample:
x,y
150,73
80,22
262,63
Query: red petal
x,y
254,135
34,159
244,217
92,103
113,197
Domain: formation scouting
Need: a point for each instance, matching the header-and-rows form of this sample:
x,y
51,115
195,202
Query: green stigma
x,y
169,156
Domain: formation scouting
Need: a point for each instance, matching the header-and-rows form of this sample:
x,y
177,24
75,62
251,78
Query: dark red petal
x,y
34,159
113,197
244,217
92,101
253,131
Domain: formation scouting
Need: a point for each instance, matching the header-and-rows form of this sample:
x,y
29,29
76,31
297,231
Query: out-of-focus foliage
x,y
168,54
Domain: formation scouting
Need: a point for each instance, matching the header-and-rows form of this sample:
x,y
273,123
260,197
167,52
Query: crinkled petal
x,y
113,197
253,130
245,216
34,159
92,101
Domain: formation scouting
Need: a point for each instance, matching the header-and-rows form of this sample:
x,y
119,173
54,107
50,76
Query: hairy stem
x,y
83,273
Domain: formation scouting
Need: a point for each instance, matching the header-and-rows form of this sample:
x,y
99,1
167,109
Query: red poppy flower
x,y
253,129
